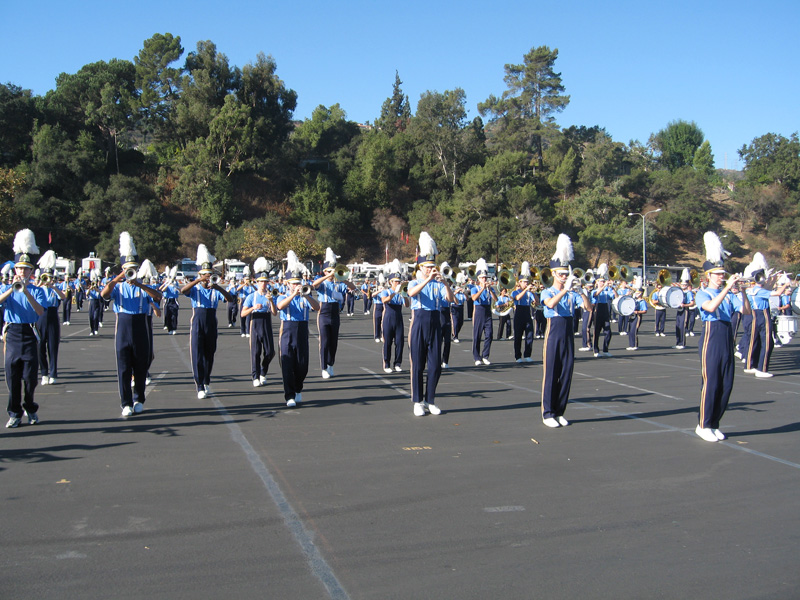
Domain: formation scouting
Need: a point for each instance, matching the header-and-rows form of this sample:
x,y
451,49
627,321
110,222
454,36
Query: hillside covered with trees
x,y
182,148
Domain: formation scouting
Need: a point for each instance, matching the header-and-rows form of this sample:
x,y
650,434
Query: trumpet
x,y
588,276
620,273
130,274
506,279
471,272
403,290
448,272
18,286
305,290
214,279
45,278
341,273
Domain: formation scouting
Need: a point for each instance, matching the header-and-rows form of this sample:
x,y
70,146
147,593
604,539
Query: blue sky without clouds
x,y
631,67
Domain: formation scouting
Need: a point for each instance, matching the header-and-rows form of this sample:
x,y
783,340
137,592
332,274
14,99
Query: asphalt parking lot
x,y
351,496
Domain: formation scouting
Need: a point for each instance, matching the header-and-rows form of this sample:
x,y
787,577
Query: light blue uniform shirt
x,y
429,298
130,300
19,310
296,311
759,298
204,297
395,297
523,298
723,312
565,306
485,299
328,291
257,298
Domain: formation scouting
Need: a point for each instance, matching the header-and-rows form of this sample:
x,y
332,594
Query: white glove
x,y
570,280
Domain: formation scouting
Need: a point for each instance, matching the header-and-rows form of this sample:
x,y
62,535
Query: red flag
x,y
50,238
402,233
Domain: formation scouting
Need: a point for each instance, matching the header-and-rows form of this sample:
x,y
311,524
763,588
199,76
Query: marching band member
x,y
330,295
660,311
424,339
148,272
482,326
205,296
601,298
95,302
558,353
587,321
365,295
48,325
760,347
392,323
682,316
350,301
260,306
447,328
243,290
377,313
171,293
457,310
523,324
67,288
716,344
539,320
635,320
504,320
23,307
293,307
131,301
622,320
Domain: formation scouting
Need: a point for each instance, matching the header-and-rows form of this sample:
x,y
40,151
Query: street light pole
x,y
644,244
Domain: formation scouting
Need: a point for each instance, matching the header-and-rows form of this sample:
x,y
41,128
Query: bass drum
x,y
787,327
670,297
795,301
624,305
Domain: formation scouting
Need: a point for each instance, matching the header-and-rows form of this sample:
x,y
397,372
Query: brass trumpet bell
x,y
578,273
341,273
45,277
546,277
535,274
694,277
620,273
130,274
448,272
506,279
664,278
472,272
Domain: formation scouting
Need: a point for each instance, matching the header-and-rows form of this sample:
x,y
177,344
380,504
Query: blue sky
x,y
631,67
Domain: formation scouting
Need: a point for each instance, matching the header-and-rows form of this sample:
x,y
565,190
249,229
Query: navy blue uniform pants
x,y
95,312
634,322
523,330
602,326
21,367
447,334
132,344
482,329
558,362
586,328
680,327
293,356
760,345
393,334
262,348
457,318
716,371
203,344
328,325
425,351
377,318
49,328
171,314
661,320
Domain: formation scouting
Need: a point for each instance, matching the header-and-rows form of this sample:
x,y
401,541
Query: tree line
x,y
183,150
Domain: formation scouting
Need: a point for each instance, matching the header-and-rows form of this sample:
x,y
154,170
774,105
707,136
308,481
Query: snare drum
x,y
670,297
624,305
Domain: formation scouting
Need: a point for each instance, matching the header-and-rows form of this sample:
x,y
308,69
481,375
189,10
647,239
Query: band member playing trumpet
x,y
330,295
48,325
558,354
504,316
482,295
716,343
260,306
22,302
523,299
95,302
131,301
205,296
377,312
760,344
457,313
393,329
171,293
424,339
293,307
